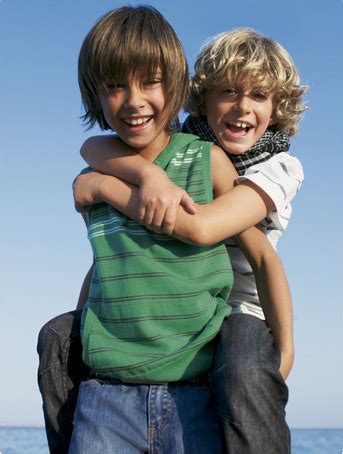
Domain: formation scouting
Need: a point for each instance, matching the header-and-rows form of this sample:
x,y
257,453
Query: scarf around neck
x,y
271,143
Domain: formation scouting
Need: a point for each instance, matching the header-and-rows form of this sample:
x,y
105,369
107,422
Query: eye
x,y
259,95
114,87
229,91
152,83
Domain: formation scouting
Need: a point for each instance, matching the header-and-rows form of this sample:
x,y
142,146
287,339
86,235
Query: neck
x,y
152,151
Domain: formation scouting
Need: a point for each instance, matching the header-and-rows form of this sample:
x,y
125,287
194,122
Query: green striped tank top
x,y
155,304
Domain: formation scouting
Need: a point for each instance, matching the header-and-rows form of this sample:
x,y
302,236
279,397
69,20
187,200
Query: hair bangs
x,y
242,57
131,42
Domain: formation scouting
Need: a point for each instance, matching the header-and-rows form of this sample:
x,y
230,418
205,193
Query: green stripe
x,y
151,296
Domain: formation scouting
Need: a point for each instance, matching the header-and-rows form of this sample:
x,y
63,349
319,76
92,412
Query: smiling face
x,y
138,113
238,116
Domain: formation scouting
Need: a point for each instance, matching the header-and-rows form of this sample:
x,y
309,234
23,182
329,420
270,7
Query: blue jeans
x,y
115,418
251,393
60,372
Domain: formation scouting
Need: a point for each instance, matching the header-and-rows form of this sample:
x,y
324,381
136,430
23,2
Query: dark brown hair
x,y
131,41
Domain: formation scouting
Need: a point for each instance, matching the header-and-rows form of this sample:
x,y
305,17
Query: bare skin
x,y
234,210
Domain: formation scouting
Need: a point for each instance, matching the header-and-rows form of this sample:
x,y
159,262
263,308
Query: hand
x,y
86,191
286,363
159,199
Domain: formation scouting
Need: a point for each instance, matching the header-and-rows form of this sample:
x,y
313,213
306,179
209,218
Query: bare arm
x,y
158,196
273,292
271,281
83,296
240,208
227,215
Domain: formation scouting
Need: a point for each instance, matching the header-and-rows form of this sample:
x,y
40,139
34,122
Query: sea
x,y
32,440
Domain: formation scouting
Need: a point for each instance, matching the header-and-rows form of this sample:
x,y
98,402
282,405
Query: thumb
x,y
188,203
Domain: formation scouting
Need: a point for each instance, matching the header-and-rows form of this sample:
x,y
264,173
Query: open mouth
x,y
137,122
239,127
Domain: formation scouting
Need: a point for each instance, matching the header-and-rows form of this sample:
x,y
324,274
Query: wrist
x,y
148,171
100,192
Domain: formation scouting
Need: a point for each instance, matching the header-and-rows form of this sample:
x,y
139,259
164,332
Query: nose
x,y
134,97
243,104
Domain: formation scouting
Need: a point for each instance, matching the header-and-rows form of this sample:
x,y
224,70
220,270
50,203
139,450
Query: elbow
x,y
267,258
199,234
84,150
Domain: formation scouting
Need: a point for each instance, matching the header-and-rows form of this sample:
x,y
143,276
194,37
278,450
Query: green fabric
x,y
155,303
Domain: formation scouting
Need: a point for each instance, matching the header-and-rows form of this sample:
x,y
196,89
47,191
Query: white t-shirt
x,y
280,177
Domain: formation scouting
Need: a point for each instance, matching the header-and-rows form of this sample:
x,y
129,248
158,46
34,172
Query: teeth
x,y
136,121
240,124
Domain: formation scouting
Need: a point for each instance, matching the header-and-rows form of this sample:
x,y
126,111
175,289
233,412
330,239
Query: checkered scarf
x,y
271,143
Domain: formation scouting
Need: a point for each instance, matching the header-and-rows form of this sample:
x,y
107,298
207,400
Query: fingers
x,y
141,212
154,217
188,203
81,208
158,213
169,220
160,219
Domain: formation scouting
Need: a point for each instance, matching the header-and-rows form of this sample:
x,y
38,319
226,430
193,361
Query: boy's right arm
x,y
231,213
158,196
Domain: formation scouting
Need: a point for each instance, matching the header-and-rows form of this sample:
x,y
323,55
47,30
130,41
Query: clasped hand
x,y
158,198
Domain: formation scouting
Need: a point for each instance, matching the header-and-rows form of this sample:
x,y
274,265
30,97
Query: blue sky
x,y
45,253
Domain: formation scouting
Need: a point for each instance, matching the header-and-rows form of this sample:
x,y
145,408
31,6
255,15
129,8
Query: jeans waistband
x,y
202,379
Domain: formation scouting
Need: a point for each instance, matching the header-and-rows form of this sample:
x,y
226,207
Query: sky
x,y
44,249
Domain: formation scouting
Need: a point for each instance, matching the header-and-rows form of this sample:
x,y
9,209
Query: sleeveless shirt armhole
x,y
207,172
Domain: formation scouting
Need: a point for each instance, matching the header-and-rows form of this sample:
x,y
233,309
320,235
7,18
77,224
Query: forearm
x,y
224,217
229,214
110,156
276,302
273,292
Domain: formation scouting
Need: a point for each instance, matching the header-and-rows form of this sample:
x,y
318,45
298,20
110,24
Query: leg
x,y
110,419
136,419
251,394
60,371
186,422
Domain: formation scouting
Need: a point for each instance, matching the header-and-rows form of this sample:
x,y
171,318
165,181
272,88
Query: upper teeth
x,y
136,121
240,124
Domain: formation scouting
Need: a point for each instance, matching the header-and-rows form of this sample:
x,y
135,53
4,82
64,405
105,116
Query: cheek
x,y
212,113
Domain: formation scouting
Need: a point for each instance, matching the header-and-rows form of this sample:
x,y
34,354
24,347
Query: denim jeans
x,y
172,418
59,374
251,393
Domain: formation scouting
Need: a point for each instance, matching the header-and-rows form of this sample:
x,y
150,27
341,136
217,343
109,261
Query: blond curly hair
x,y
243,57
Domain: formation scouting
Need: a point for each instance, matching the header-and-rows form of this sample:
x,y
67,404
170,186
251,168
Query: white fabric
x,y
280,178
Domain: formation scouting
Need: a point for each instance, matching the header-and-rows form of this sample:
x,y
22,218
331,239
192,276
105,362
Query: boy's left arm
x,y
269,274
273,291
158,196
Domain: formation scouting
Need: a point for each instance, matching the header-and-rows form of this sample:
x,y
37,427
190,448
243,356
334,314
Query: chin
x,y
234,152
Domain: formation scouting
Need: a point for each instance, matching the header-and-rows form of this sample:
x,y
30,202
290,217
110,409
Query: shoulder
x,y
223,171
283,173
108,142
280,177
218,157
282,164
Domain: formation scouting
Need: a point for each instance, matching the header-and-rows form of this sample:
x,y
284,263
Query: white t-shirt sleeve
x,y
280,178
